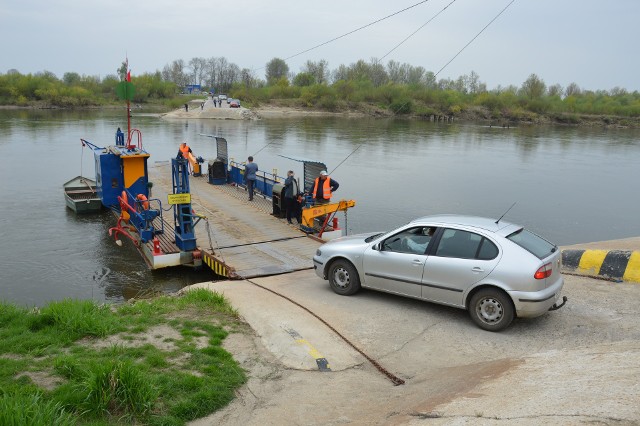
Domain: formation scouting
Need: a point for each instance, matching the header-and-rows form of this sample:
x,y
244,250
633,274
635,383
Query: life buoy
x,y
143,201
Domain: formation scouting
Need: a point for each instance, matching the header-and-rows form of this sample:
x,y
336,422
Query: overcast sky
x,y
592,43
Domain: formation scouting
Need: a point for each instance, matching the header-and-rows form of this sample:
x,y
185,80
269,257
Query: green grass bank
x,y
156,362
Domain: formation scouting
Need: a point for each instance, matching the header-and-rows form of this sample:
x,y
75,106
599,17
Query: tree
x,y
174,72
71,78
304,79
122,71
318,70
198,68
276,69
248,78
474,83
429,80
533,87
341,73
377,74
555,90
47,75
415,75
572,90
618,91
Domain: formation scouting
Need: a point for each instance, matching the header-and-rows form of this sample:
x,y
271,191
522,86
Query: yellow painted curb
x,y
591,261
632,273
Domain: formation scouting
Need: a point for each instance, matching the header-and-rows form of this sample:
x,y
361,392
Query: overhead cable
x,y
351,32
413,33
477,35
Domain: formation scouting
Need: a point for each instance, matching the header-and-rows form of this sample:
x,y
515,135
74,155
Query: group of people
x,y
323,189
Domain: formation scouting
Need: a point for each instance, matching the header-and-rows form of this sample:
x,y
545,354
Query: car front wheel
x,y
491,309
343,277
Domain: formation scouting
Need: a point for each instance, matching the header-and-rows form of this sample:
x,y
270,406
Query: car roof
x,y
502,228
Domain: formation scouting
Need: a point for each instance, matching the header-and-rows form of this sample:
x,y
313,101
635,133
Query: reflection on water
x,y
570,184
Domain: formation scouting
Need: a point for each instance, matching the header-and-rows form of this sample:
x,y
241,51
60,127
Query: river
x,y
569,184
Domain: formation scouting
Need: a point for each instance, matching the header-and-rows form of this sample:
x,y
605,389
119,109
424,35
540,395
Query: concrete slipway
x,y
578,365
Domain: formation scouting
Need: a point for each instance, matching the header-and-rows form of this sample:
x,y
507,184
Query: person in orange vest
x,y
323,188
184,150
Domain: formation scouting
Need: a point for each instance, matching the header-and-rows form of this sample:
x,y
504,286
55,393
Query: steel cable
x,y
394,379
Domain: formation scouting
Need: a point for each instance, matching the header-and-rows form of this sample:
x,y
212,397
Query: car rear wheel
x,y
491,309
343,277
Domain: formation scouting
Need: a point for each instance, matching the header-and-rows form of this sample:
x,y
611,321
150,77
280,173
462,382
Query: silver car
x,y
494,269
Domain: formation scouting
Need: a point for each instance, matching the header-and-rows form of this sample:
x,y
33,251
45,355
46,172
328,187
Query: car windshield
x,y
529,241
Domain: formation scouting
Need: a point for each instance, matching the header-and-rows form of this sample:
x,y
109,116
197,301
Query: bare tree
x,y
175,72
618,91
319,70
211,68
340,73
394,71
377,74
248,78
474,83
197,66
555,90
573,90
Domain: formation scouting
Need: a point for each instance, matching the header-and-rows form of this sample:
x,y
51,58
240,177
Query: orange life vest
x,y
326,188
184,149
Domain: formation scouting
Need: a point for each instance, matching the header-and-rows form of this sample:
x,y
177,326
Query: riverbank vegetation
x,y
391,89
157,362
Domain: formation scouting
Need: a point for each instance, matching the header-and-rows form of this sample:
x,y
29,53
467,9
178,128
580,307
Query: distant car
x,y
229,100
234,103
222,97
494,269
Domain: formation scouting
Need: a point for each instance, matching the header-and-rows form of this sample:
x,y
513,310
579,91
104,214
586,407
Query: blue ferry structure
x,y
122,184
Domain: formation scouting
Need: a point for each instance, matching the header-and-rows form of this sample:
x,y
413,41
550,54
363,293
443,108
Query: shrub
x,y
117,389
401,106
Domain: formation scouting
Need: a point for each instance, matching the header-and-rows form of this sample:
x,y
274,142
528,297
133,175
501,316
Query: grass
x,y
57,369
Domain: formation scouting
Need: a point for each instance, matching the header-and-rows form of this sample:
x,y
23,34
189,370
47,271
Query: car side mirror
x,y
376,247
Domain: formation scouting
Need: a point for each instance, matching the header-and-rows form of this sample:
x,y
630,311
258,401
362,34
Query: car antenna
x,y
506,212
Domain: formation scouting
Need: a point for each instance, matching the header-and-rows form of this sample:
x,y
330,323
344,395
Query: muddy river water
x,y
569,184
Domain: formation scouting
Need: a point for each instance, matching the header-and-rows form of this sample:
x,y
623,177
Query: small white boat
x,y
81,195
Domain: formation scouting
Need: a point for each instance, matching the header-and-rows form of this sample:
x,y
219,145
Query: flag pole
x,y
128,79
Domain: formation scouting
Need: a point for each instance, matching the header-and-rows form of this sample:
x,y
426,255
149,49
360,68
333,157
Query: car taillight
x,y
544,272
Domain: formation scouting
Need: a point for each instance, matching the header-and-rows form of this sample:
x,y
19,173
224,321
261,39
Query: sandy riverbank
x,y
199,109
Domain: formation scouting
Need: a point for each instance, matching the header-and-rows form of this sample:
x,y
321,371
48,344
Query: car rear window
x,y
534,244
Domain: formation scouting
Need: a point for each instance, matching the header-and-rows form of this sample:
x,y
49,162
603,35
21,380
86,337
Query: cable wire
x,y
413,33
350,32
477,35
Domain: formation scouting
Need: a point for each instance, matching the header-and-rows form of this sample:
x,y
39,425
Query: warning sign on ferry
x,y
179,198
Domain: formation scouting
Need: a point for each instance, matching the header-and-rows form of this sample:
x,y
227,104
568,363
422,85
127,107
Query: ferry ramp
x,y
240,238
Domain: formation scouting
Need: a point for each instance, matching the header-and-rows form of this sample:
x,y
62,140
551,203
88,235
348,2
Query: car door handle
x,y
477,269
418,262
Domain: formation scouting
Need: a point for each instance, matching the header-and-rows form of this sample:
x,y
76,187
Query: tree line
x,y
398,88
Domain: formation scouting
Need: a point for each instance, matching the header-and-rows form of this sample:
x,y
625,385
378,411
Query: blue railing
x,y
264,180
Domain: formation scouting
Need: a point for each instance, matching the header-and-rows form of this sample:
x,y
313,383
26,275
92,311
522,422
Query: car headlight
x,y
318,253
